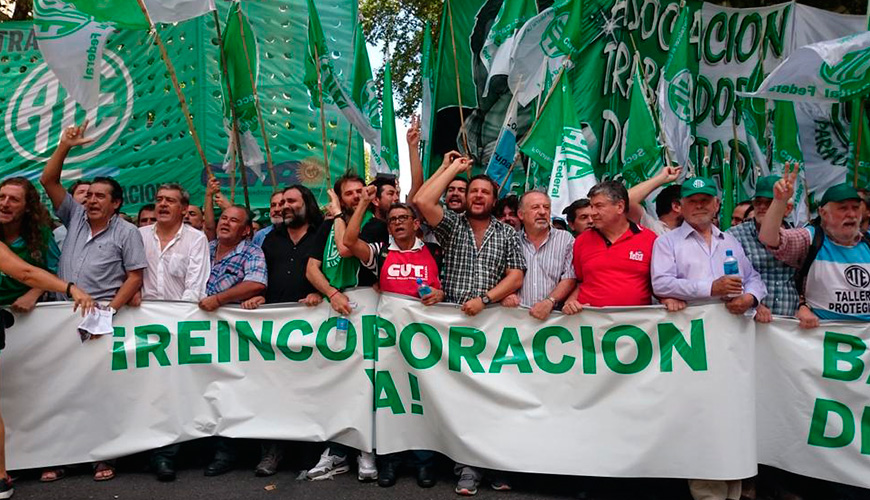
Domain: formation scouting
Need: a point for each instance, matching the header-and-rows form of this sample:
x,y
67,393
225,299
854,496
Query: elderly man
x,y
778,277
483,262
238,272
276,210
832,255
102,253
549,277
689,266
616,250
178,269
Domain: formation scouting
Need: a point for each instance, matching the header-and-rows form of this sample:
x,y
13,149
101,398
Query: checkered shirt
x,y
469,272
778,277
245,263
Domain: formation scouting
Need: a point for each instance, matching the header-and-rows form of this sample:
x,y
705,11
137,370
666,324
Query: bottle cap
x,y
729,253
419,281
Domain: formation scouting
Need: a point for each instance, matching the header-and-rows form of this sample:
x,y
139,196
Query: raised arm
x,y
34,277
783,191
208,220
50,178
639,193
359,248
429,197
413,138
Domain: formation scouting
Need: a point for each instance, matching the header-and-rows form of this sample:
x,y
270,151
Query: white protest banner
x,y
813,400
632,392
173,373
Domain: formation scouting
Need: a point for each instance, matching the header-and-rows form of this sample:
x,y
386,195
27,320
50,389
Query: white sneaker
x,y
328,466
368,471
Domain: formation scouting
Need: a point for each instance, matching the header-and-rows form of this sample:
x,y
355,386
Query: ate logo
x,y
636,256
40,110
680,94
857,276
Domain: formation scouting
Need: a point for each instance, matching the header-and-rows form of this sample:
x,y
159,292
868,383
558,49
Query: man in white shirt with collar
x,y
177,254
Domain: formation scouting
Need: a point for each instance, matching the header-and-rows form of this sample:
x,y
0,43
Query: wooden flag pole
x,y
174,78
263,131
236,136
322,116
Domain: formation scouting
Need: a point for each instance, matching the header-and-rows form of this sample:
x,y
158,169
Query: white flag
x,y
533,57
573,175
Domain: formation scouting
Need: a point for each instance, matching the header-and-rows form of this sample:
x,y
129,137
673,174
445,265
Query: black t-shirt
x,y
370,233
285,263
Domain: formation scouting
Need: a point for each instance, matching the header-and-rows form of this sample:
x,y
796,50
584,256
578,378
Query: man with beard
x,y
287,249
102,254
331,269
454,197
549,277
506,210
832,255
483,262
386,195
276,210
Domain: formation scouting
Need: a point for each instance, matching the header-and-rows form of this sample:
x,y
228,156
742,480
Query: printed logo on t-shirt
x,y
637,256
857,276
408,271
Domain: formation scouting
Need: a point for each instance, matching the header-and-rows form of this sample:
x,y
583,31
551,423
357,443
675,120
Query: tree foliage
x,y
399,24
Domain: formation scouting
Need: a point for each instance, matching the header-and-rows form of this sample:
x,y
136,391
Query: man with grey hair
x,y
615,250
548,252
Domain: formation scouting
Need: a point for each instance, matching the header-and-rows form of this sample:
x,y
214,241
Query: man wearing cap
x,y
688,265
778,277
831,254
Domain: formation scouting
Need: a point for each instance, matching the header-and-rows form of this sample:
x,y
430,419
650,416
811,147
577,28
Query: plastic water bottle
x,y
422,288
342,323
731,266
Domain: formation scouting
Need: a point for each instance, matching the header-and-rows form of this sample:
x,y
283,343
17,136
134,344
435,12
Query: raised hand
x,y
75,136
670,174
413,135
783,190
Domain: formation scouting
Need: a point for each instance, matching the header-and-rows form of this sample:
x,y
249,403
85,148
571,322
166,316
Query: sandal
x,y
103,471
52,475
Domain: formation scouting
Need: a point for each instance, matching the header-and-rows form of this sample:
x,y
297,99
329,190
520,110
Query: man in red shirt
x,y
611,261
399,264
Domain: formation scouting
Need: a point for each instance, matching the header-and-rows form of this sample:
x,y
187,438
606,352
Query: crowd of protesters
x,y
464,244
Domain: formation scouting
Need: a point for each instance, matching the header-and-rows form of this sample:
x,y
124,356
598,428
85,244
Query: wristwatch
x,y
485,299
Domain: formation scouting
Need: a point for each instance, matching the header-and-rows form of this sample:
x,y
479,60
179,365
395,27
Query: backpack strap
x,y
812,252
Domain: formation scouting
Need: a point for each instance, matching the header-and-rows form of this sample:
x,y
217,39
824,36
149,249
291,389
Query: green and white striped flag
x,y
238,36
427,79
73,33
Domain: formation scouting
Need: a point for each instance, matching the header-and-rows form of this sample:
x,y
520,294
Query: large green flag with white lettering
x,y
496,52
572,31
643,154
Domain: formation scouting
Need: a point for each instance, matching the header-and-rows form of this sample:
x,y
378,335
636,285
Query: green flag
x,y
676,89
572,32
389,152
643,154
860,143
238,36
754,113
128,13
496,52
317,50
787,148
363,90
428,83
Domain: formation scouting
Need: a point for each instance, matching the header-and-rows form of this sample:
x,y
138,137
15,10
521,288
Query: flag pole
x,y
322,116
860,103
236,136
263,132
462,131
174,78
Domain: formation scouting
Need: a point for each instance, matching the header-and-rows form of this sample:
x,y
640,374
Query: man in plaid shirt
x,y
778,277
483,261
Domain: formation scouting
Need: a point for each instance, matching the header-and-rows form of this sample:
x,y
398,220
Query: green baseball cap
x,y
840,192
698,185
764,186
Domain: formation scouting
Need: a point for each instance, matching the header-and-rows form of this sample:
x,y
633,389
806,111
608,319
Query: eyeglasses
x,y
400,219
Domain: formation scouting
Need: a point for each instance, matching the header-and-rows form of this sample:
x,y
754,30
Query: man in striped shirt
x,y
548,252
